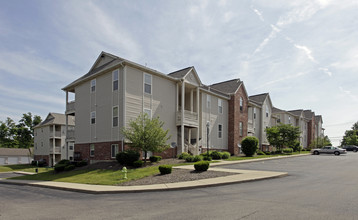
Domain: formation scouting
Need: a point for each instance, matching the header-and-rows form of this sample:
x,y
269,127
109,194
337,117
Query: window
x,y
115,79
278,120
241,104
71,147
220,106
148,112
254,113
240,129
267,111
220,131
92,150
208,101
93,85
115,116
114,150
289,119
148,83
93,117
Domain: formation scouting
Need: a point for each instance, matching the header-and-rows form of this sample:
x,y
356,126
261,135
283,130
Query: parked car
x,y
350,148
329,150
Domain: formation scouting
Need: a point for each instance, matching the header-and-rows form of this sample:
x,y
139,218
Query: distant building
x,y
10,156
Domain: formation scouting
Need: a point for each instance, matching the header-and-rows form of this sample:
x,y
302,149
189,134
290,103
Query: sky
x,y
303,53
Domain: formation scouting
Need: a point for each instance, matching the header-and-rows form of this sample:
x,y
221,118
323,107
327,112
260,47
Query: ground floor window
x,y
92,150
114,150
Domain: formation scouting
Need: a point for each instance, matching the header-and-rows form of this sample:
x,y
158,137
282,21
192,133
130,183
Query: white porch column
x,y
191,101
177,99
66,137
53,144
197,111
182,114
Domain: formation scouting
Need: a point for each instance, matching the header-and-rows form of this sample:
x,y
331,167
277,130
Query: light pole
x,y
207,136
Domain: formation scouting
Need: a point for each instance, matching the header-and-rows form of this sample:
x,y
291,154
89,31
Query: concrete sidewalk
x,y
238,176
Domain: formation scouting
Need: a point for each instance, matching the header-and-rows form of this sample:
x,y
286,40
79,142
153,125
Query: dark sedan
x,y
350,148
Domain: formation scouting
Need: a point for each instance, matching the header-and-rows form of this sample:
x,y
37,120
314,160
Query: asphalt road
x,y
318,187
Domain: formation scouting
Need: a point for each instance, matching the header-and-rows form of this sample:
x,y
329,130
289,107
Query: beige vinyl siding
x,y
42,136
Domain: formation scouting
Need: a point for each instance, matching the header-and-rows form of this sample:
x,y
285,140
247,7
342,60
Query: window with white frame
x,y
114,150
92,150
220,106
240,129
93,85
220,130
148,112
267,111
115,74
289,119
93,117
115,116
241,104
254,113
208,101
147,83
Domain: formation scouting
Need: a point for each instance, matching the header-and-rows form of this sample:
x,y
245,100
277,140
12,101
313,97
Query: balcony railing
x,y
70,135
57,150
70,107
57,134
190,118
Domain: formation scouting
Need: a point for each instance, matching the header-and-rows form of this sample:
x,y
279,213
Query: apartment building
x,y
115,91
50,139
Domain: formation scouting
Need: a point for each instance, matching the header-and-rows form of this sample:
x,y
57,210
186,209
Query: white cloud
x,y
307,51
258,13
326,71
281,79
349,94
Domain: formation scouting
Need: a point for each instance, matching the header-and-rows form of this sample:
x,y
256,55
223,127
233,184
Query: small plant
x,y
267,152
201,166
183,155
216,155
165,169
82,163
197,158
249,145
288,150
69,167
189,158
259,152
225,155
155,158
207,158
60,167
64,162
127,157
138,163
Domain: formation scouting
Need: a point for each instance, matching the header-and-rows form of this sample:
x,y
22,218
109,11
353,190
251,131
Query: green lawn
x,y
23,167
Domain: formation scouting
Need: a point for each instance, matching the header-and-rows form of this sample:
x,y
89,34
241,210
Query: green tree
x,y
7,133
145,134
351,136
249,145
320,142
283,135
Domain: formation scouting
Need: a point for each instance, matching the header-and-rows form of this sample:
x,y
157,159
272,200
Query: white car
x,y
329,150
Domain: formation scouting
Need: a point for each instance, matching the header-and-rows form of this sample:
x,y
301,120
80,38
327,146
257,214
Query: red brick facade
x,y
310,130
237,115
43,157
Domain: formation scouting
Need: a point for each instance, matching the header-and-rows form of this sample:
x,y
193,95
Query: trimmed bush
x,y
197,158
82,163
40,163
288,150
155,158
201,166
60,167
69,167
189,158
165,169
207,158
249,146
127,157
138,163
183,155
259,152
225,155
267,152
216,155
64,162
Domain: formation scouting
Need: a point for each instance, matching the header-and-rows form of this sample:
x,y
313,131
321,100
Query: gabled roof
x,y
308,114
297,112
185,74
56,119
277,110
260,98
318,118
230,86
15,151
179,74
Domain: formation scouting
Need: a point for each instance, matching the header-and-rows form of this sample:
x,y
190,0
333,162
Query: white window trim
x,y
92,155
151,83
95,84
241,104
95,121
113,80
116,150
220,104
117,116
208,101
220,132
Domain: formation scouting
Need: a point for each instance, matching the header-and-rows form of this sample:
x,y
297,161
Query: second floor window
x,y
115,116
267,111
115,74
208,101
241,104
254,113
148,83
220,131
240,129
220,106
93,117
289,119
93,85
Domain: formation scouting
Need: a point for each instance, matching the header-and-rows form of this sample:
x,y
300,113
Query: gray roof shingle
x,y
229,86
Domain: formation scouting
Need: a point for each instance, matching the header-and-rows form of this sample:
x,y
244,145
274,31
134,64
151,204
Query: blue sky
x,y
304,53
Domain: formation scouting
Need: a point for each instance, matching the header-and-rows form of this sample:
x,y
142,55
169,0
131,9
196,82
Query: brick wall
x,y
310,131
43,157
102,150
235,117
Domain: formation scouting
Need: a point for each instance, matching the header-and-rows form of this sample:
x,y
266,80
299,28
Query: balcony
x,y
190,118
57,134
57,150
70,135
70,107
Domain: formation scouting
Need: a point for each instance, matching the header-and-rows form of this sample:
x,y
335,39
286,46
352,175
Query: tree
x,y
7,133
283,135
147,134
249,145
351,136
320,142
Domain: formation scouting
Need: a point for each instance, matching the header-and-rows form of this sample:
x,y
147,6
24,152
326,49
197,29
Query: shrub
x,y
69,167
138,163
64,162
183,155
82,163
249,145
39,163
165,169
259,152
288,150
127,157
216,155
207,158
60,167
197,158
189,158
201,166
267,152
155,158
225,155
